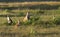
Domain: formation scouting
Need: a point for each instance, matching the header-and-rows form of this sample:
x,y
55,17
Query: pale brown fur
x,y
26,18
17,24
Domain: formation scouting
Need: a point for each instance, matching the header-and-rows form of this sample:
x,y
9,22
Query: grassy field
x,y
23,4
28,3
40,24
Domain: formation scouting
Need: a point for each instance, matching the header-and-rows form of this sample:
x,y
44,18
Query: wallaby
x,y
17,24
27,17
9,20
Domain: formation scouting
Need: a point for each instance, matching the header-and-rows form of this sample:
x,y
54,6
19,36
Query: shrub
x,y
57,21
41,12
46,24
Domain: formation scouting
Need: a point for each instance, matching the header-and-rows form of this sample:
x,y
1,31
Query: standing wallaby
x,y
9,20
27,17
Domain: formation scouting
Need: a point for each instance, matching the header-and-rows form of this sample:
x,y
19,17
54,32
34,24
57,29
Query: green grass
x,y
30,31
40,24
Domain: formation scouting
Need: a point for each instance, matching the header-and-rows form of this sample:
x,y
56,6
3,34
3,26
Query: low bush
x,y
46,24
57,21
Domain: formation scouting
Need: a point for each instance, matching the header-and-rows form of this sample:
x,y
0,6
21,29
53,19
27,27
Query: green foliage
x,y
21,14
57,21
34,20
6,10
41,12
44,7
47,24
32,31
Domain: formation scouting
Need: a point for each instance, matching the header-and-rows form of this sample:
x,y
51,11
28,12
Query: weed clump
x,y
57,21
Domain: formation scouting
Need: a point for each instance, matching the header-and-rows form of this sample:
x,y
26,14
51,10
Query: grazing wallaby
x,y
9,20
27,17
17,24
